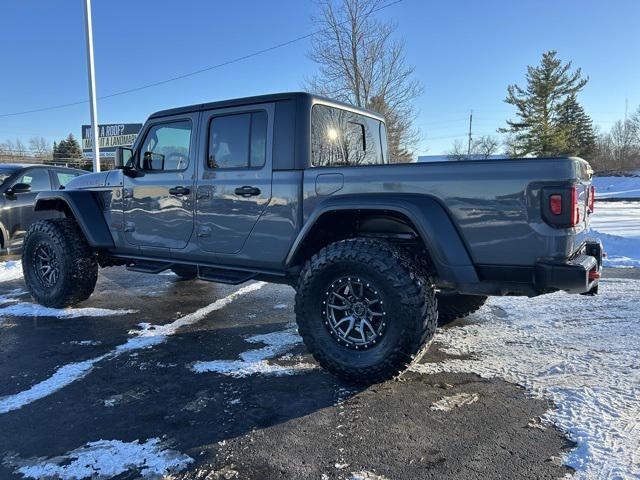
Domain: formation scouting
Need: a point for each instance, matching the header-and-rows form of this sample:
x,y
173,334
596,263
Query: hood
x,y
95,180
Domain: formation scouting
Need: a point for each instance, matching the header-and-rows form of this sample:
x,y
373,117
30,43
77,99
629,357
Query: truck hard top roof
x,y
273,97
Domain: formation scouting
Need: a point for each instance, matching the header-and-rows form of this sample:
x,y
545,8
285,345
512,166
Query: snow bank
x,y
583,353
621,252
10,270
617,187
255,361
617,224
106,459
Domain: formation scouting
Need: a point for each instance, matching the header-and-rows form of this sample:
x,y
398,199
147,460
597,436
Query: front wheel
x,y
363,312
60,268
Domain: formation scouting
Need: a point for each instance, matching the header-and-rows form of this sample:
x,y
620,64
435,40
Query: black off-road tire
x,y
408,296
185,272
77,263
457,305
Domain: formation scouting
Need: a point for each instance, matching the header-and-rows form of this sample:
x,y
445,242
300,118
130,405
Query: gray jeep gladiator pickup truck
x,y
298,189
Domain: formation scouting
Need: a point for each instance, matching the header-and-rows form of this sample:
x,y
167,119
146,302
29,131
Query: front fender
x,y
84,208
438,232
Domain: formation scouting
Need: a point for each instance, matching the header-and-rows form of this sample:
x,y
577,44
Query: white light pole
x,y
92,85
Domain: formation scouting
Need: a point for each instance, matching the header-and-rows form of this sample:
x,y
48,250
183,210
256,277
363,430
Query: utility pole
x,y
470,123
92,85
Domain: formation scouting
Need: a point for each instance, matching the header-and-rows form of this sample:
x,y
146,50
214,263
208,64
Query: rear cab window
x,y
343,138
238,140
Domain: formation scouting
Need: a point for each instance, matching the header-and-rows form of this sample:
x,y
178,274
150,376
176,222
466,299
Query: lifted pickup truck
x,y
297,189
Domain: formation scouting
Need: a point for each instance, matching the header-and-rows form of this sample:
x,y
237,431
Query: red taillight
x,y
592,198
555,204
575,206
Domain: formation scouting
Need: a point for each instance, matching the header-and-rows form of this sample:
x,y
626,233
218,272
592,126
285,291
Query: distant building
x,y
447,158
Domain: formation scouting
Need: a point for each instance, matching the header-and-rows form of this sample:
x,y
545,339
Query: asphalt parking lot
x,y
207,381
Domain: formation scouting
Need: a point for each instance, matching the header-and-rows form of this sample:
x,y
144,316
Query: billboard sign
x,y
111,135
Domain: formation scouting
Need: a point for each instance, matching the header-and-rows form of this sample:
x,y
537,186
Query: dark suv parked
x,y
19,186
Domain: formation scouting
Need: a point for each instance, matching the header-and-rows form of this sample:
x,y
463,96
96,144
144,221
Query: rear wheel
x,y
455,305
60,268
363,312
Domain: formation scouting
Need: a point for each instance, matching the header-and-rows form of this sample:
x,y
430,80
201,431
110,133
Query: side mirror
x,y
123,157
19,188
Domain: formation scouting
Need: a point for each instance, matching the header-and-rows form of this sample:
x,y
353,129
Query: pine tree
x,y
68,148
55,151
580,137
539,129
73,147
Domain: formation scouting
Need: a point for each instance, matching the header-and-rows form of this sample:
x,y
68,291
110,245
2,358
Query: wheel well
x,y
55,204
342,224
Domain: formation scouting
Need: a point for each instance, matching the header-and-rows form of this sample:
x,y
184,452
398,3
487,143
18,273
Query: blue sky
x,y
465,53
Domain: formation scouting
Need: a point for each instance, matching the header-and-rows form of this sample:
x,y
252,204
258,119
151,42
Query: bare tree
x,y
40,147
458,151
485,146
361,64
481,148
14,149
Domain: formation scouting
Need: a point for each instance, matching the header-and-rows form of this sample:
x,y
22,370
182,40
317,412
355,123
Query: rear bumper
x,y
580,274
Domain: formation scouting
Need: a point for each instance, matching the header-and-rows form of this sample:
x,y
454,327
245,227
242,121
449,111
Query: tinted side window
x,y
339,137
65,177
166,147
238,140
37,178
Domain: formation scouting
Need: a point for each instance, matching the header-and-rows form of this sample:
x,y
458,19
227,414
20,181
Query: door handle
x,y
179,191
247,191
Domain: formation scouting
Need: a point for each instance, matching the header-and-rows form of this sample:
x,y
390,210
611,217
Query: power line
x,y
189,74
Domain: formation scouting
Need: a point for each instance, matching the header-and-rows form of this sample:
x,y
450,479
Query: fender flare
x,y
436,229
84,208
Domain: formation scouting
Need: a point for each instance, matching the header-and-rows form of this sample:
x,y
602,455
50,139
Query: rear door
x,y
158,205
234,185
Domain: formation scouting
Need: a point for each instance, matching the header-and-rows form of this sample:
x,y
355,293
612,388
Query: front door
x,y
19,207
234,186
158,204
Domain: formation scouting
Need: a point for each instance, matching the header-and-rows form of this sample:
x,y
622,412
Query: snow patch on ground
x,y
11,296
366,475
149,336
10,270
617,187
35,310
62,377
583,353
280,306
105,459
255,361
446,404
